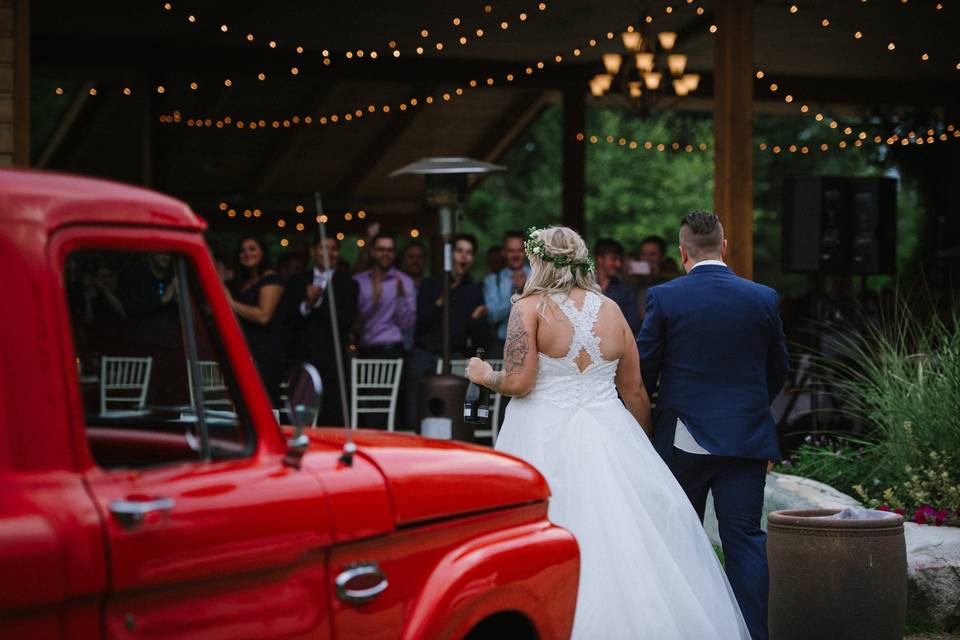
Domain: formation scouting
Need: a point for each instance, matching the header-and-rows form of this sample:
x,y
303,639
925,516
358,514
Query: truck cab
x,y
147,490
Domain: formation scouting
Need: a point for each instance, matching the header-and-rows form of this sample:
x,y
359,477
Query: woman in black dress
x,y
256,300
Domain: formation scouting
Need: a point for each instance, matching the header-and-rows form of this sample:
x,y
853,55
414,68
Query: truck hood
x,y
433,479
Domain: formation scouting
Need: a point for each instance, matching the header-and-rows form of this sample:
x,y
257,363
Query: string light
x,y
647,145
283,220
353,115
392,43
891,45
862,137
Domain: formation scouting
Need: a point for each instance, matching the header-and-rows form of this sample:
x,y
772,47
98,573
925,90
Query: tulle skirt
x,y
647,568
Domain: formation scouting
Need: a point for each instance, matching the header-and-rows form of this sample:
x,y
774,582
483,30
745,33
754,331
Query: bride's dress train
x,y
647,568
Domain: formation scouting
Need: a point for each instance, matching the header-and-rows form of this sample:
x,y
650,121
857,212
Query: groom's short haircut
x,y
701,234
607,246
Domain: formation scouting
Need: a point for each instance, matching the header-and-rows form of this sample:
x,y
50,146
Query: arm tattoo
x,y
517,346
492,381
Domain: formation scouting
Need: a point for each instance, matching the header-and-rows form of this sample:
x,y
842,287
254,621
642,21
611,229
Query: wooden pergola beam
x,y
574,169
98,58
64,125
501,135
399,122
288,141
733,132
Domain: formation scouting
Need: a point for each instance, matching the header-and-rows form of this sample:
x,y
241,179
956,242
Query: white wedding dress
x,y
647,569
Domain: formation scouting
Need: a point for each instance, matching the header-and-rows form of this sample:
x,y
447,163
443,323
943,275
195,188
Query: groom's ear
x,y
723,250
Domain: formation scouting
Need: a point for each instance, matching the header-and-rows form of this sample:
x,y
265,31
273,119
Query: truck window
x,y
156,387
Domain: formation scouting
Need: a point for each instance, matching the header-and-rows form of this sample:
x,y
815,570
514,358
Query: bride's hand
x,y
477,370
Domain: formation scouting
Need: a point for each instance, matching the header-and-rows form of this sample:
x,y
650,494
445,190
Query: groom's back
x,y
715,342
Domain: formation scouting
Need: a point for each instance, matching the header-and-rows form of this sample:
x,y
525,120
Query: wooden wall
x,y
14,83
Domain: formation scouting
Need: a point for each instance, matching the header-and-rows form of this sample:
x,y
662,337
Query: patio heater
x,y
440,397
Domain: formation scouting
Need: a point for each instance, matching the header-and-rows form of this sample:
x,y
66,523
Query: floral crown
x,y
535,246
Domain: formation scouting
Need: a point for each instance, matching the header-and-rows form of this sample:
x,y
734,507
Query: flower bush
x,y
900,378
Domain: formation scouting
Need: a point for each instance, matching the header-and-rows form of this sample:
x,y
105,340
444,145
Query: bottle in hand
x,y
476,406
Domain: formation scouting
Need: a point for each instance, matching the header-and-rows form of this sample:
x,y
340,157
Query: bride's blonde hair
x,y
559,263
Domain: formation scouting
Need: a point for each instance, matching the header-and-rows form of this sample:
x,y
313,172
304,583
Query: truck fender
x,y
532,569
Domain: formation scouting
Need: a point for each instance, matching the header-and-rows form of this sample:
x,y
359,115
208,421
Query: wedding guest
x,y
225,272
364,259
101,298
256,301
148,291
151,287
608,256
653,251
468,329
386,302
500,287
290,264
495,261
413,262
659,269
309,327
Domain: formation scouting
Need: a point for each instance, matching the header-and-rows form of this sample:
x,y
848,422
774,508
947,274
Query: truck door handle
x,y
131,513
361,583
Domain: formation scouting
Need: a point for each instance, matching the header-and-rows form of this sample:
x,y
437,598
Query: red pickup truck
x,y
146,489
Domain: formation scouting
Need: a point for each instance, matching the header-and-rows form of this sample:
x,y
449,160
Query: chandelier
x,y
649,70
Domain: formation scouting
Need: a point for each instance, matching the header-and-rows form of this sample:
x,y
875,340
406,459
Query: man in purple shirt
x,y
386,303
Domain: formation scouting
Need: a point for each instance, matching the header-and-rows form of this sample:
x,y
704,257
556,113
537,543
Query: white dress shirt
x,y
320,279
682,438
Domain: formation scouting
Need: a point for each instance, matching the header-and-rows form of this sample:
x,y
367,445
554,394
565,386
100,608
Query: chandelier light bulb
x,y
667,39
644,62
692,80
612,62
632,40
595,89
652,80
677,63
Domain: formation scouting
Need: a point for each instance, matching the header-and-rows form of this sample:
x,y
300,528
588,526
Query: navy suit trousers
x,y
737,485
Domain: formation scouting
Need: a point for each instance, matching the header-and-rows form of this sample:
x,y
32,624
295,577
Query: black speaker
x,y
839,225
873,226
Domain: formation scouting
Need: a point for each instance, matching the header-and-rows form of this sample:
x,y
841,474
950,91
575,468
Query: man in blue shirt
x,y
608,256
499,288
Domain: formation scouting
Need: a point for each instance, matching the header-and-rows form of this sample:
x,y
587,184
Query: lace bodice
x,y
559,380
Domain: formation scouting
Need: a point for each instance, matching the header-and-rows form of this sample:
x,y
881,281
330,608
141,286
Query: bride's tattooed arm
x,y
518,374
492,380
517,346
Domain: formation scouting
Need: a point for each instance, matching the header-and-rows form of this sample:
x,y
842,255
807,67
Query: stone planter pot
x,y
833,578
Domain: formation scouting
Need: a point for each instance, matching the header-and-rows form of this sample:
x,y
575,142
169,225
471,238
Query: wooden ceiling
x,y
112,45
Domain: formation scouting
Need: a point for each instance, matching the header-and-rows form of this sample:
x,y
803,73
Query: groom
x,y
715,343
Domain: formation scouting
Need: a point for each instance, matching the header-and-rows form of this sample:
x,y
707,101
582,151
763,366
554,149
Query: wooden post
x,y
733,130
15,83
574,157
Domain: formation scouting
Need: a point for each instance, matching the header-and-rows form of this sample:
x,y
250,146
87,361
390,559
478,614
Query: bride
x,y
647,569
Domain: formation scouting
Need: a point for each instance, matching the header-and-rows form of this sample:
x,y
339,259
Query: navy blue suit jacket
x,y
715,343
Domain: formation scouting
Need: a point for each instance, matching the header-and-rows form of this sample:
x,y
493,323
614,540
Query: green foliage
x,y
838,462
631,193
634,193
902,377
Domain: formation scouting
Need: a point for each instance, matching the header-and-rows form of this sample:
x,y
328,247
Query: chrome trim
x,y
132,512
359,596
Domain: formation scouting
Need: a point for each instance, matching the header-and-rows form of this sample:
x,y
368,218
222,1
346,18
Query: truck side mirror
x,y
304,395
